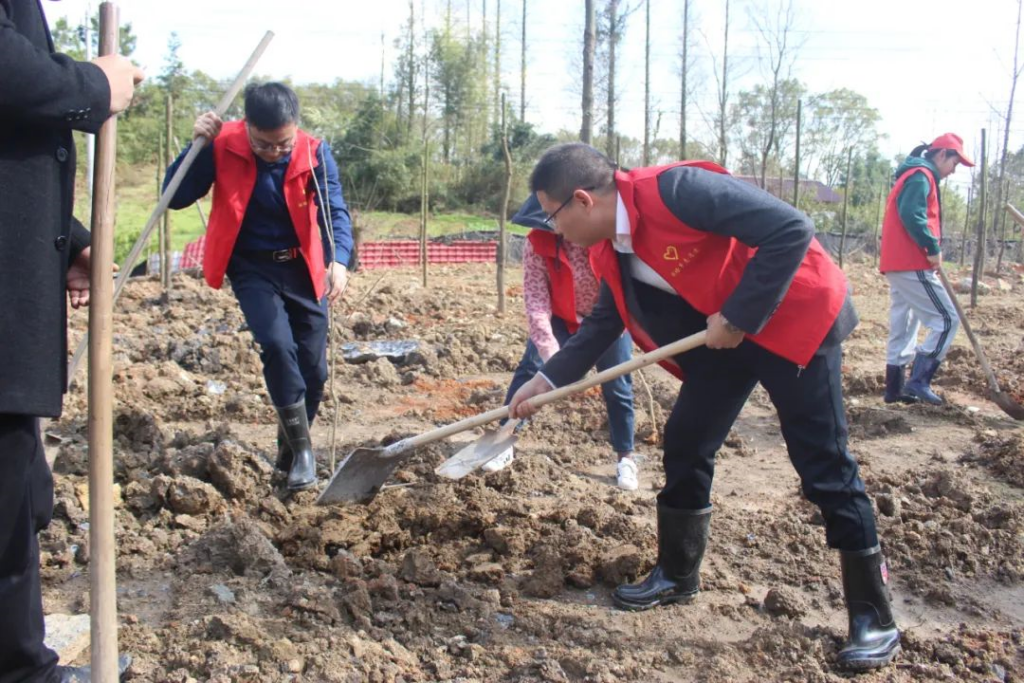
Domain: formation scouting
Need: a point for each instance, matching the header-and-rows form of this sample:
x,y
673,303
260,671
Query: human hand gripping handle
x,y
537,392
207,126
722,334
122,76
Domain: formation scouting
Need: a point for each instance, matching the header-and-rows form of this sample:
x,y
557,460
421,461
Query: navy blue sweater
x,y
267,225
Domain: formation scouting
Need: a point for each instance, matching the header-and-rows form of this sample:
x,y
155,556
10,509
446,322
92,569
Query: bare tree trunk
x,y
684,72
647,88
878,223
846,202
589,46
425,188
522,71
979,254
796,161
723,95
613,40
775,32
967,222
503,210
1000,214
498,98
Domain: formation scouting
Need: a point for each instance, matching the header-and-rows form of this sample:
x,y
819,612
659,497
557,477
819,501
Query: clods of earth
x,y
223,576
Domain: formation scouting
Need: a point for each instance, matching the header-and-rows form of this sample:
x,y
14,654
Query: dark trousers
x,y
26,504
288,323
809,403
618,393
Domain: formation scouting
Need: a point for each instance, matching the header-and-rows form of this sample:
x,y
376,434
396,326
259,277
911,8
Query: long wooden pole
x,y
846,203
102,565
979,254
172,187
503,210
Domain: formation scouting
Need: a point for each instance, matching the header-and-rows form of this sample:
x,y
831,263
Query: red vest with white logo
x,y
232,188
899,250
705,268
563,292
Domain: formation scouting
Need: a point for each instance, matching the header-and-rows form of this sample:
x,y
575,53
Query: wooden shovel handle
x,y
659,354
986,368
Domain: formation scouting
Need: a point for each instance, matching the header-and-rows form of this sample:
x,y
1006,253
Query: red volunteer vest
x,y
563,291
899,250
704,269
232,188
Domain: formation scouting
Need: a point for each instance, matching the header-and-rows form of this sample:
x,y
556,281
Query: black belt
x,y
273,256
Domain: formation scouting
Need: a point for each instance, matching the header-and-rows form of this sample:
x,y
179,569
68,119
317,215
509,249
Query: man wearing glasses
x,y
280,230
685,247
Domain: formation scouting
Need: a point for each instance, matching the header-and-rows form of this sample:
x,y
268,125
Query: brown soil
x,y
507,577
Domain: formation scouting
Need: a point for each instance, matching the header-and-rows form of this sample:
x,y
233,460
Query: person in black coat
x,y
44,258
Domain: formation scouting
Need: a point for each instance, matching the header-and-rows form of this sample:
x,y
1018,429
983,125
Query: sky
x,y
928,66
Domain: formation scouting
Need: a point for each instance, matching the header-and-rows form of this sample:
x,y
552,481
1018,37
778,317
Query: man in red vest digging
x,y
286,254
685,247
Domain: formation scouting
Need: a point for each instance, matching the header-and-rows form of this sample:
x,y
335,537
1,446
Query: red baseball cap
x,y
954,142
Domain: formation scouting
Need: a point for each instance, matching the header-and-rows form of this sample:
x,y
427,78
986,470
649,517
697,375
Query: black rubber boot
x,y
873,639
894,393
682,538
83,674
921,376
302,473
284,451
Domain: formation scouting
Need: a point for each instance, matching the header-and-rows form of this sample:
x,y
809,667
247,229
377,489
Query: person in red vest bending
x,y
559,290
280,230
911,252
687,247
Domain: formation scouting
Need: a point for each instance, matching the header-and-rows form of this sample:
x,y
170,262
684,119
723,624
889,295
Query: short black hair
x,y
268,106
570,166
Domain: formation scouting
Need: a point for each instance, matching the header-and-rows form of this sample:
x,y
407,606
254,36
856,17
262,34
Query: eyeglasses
x,y
550,220
260,146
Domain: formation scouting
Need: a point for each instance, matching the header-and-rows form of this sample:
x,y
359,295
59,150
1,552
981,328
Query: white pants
x,y
917,297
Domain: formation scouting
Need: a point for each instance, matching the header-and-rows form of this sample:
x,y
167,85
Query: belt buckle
x,y
283,255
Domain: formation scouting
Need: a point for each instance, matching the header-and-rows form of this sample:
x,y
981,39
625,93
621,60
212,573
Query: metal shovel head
x,y
359,477
480,452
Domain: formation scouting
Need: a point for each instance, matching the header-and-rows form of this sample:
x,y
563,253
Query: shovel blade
x,y
478,453
359,477
1009,406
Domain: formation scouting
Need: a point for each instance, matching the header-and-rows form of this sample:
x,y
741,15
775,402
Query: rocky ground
x,y
222,576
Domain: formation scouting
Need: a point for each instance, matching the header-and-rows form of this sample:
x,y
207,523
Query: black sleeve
x,y
45,89
80,239
723,205
598,331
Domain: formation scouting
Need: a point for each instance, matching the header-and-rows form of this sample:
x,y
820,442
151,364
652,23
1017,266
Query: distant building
x,y
783,189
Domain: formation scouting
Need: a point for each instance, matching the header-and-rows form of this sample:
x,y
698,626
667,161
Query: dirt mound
x,y
224,576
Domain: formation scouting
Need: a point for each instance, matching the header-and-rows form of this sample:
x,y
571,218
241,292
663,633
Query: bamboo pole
x,y
172,187
102,563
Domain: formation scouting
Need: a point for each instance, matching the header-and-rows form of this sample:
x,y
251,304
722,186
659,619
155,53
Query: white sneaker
x,y
627,478
500,461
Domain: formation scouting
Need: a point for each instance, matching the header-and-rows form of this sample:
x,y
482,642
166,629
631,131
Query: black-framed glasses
x,y
550,220
261,146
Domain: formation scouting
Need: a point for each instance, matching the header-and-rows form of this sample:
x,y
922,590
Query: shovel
x,y
1000,398
362,473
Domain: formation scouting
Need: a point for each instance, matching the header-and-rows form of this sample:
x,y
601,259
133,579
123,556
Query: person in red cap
x,y
911,253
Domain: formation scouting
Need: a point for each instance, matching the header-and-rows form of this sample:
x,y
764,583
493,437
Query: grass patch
x,y
137,197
